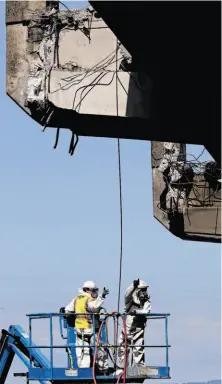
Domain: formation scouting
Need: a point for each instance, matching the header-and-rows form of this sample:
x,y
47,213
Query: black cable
x,y
120,190
57,138
117,101
130,74
208,201
72,80
121,224
78,10
180,185
96,66
73,143
88,72
122,84
93,85
74,146
99,77
47,120
201,153
121,206
216,222
60,2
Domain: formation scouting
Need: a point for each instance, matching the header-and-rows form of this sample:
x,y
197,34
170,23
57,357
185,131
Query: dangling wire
x,y
121,225
120,185
73,143
47,120
57,138
121,206
60,2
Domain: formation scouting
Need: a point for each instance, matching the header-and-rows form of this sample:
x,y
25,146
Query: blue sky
x,y
59,226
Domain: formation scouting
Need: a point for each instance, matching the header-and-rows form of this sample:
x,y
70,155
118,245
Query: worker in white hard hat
x,y
137,302
88,301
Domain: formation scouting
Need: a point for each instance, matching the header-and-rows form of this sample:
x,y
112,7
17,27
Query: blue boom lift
x,y
17,342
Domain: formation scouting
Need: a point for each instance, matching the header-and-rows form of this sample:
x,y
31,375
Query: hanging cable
x,y
57,138
60,2
47,120
120,189
92,85
121,210
121,227
73,143
102,65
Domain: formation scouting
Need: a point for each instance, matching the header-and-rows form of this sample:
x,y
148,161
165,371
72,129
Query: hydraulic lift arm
x,y
16,342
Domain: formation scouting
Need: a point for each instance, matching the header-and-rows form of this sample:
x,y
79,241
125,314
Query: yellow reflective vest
x,y
82,321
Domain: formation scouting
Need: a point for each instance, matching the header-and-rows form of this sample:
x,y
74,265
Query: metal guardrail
x,y
63,316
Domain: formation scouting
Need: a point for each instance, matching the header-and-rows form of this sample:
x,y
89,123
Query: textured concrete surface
x,y
74,46
17,49
94,61
17,63
57,49
101,97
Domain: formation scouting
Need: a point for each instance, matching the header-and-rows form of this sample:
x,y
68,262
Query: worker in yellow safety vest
x,y
87,302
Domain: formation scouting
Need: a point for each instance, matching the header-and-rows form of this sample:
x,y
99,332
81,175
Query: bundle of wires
x,y
199,168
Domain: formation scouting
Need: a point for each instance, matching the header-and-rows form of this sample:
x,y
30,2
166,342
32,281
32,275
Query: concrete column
x,y
18,15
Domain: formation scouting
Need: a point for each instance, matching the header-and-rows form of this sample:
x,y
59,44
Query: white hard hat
x,y
142,284
89,285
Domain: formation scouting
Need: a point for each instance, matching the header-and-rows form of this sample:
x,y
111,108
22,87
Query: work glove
x,y
105,292
136,283
133,312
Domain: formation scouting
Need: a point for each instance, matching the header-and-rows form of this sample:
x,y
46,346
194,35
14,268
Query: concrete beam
x,y
184,63
66,69
37,65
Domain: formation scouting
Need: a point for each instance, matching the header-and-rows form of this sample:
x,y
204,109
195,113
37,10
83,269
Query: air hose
x,y
97,344
123,374
112,357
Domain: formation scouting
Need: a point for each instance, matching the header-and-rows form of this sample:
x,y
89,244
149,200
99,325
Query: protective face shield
x,y
94,292
142,294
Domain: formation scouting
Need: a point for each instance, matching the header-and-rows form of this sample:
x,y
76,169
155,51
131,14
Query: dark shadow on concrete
x,y
177,224
139,95
181,52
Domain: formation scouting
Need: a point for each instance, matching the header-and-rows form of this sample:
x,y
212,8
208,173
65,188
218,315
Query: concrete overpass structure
x,y
132,70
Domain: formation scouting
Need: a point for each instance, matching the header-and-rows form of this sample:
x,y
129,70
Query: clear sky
x,y
59,225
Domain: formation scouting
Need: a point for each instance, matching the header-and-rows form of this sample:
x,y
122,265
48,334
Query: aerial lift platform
x,y
17,342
